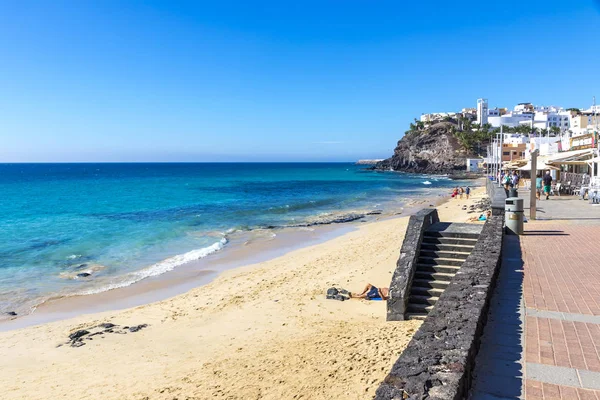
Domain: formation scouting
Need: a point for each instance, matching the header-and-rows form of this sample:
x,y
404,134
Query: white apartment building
x,y
544,120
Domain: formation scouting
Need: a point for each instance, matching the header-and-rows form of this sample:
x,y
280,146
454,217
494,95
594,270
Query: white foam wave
x,y
426,183
159,268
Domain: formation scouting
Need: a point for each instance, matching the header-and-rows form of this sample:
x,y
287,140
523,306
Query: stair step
x,y
419,316
418,308
425,291
440,261
426,283
447,247
434,276
448,240
460,235
444,254
416,299
446,269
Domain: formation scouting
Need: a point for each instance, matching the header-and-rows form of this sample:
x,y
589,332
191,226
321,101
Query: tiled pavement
x,y
560,307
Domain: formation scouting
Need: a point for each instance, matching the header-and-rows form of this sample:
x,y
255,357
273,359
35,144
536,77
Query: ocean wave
x,y
159,268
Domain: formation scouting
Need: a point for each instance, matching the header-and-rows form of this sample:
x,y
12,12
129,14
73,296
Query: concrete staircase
x,y
444,248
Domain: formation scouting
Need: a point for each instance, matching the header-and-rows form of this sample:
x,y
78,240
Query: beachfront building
x,y
474,164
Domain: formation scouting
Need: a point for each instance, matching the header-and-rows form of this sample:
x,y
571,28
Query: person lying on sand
x,y
371,293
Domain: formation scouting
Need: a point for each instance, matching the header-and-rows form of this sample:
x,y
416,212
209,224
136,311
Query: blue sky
x,y
273,80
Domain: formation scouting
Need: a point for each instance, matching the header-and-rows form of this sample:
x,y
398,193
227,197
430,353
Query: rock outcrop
x,y
433,150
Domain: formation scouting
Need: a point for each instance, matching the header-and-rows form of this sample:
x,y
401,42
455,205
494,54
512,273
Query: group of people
x,y
543,184
509,180
458,192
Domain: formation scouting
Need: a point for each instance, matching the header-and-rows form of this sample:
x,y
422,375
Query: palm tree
x,y
555,130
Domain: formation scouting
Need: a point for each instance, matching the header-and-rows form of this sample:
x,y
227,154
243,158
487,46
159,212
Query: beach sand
x,y
263,331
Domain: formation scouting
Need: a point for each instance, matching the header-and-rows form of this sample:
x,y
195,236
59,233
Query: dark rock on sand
x,y
106,325
11,313
77,334
374,212
137,327
83,275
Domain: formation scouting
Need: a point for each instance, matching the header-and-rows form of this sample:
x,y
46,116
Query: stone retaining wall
x,y
497,196
438,361
405,267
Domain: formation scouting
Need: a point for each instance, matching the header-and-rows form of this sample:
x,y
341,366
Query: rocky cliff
x,y
432,150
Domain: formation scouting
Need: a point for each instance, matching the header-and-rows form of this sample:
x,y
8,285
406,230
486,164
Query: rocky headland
x,y
435,149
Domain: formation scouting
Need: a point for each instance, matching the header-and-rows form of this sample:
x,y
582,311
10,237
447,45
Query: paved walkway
x,y
549,295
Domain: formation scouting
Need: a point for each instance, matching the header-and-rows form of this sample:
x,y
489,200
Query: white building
x,y
473,164
432,117
482,111
523,108
510,119
548,109
544,120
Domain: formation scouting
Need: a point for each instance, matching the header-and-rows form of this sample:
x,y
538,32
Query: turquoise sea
x,y
69,229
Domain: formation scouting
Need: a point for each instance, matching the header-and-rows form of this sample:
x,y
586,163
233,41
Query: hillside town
x,y
566,140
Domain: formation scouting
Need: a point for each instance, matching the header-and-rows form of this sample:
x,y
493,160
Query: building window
x,y
506,153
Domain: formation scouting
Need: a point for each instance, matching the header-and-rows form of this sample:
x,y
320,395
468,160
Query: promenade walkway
x,y
542,340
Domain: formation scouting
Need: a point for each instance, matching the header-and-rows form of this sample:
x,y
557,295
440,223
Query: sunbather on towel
x,y
372,293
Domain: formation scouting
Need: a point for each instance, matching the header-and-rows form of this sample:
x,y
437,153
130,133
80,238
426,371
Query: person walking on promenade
x,y
515,179
547,184
538,186
507,182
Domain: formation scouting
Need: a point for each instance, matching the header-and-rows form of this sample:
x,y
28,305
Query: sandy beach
x,y
262,331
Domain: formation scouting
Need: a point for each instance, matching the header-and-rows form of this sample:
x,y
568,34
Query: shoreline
x,y
197,273
258,331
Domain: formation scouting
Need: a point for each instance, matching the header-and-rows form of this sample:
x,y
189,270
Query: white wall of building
x,y
510,119
473,164
544,120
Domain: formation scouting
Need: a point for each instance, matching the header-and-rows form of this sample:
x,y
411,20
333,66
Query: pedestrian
x,y
547,180
460,192
507,182
515,179
538,186
468,192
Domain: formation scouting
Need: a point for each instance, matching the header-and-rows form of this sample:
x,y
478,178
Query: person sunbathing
x,y
372,293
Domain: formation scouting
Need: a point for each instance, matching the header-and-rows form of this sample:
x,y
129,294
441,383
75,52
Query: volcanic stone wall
x,y
438,361
405,268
